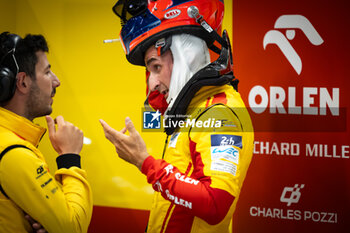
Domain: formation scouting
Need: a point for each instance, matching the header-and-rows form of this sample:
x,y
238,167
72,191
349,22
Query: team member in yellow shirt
x,y
62,203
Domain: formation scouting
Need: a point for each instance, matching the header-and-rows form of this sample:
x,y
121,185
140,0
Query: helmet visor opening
x,y
126,9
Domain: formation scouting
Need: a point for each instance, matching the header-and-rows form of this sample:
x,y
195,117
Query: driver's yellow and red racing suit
x,y
61,203
199,180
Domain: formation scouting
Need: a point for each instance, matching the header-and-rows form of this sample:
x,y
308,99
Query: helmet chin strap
x,y
162,45
193,12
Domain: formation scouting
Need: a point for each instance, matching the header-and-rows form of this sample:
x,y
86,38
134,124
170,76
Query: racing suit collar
x,y
21,126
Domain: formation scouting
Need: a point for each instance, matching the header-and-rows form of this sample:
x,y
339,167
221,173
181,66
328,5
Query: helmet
x,y
146,21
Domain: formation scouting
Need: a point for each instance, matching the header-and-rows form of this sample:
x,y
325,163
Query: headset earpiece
x,y
7,84
8,76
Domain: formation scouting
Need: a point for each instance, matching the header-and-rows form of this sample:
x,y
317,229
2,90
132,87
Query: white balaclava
x,y
190,54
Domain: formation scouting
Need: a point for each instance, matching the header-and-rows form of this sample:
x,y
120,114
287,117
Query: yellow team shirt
x,y
61,203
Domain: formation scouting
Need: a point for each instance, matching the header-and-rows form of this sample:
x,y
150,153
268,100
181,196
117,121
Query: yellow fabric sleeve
x,y
225,150
61,205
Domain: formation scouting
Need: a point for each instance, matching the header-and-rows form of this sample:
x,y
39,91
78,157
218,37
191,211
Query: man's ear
x,y
23,82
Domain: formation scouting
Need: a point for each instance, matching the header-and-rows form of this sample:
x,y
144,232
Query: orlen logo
x,y
291,194
172,14
290,22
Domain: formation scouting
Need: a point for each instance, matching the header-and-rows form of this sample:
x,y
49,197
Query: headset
x,y
7,73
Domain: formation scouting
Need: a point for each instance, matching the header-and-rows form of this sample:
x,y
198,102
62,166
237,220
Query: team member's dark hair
x,y
25,52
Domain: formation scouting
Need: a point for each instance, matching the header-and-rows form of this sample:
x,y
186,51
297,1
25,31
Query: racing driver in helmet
x,y
198,180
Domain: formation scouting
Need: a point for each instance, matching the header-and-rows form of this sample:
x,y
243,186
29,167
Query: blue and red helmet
x,y
146,21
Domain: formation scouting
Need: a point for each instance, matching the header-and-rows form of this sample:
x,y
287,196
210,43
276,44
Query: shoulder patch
x,y
226,140
225,152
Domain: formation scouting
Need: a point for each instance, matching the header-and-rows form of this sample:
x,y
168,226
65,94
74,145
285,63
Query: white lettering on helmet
x,y
172,14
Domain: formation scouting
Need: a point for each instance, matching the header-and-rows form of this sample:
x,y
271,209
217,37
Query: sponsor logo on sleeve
x,y
178,200
224,166
225,152
226,140
169,169
158,186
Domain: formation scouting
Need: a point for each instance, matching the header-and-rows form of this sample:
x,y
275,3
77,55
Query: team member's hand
x,y
66,138
37,227
131,148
